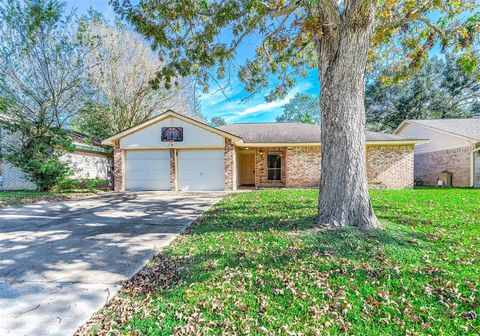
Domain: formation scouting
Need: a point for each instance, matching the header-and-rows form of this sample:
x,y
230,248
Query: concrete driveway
x,y
61,261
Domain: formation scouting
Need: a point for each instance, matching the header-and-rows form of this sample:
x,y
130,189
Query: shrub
x,y
85,184
37,152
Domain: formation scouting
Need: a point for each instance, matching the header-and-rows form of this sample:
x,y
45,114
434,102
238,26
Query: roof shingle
x,y
292,133
469,128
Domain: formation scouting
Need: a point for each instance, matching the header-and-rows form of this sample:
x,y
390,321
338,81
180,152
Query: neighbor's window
x,y
274,167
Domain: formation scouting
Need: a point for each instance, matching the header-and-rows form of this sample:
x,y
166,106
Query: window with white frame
x,y
274,166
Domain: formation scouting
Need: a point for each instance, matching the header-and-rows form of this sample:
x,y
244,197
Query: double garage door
x,y
195,169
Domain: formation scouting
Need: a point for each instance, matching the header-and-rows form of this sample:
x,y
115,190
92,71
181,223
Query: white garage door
x,y
201,169
147,170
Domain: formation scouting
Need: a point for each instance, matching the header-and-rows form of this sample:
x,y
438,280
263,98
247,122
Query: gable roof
x,y
296,133
467,128
162,116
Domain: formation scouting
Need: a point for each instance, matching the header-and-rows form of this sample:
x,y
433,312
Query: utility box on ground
x,y
445,179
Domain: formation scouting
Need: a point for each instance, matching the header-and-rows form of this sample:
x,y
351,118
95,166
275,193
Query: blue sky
x,y
215,103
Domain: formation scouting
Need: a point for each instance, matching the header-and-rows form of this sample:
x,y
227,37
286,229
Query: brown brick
x,y
230,165
117,167
261,167
457,161
390,166
387,167
303,167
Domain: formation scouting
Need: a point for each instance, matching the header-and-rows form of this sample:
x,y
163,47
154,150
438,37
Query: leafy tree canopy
x,y
41,86
120,65
302,108
217,121
339,37
442,89
190,35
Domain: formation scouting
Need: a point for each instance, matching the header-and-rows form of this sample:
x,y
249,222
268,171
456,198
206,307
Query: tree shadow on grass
x,y
331,246
343,252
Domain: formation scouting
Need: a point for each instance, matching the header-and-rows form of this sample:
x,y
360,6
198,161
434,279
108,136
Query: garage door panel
x,y
210,175
147,164
146,185
148,154
147,170
201,170
195,165
196,184
202,154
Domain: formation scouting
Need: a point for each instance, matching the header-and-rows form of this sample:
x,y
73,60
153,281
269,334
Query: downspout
x,y
476,148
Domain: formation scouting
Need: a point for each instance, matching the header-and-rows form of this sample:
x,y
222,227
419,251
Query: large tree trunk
x,y
342,49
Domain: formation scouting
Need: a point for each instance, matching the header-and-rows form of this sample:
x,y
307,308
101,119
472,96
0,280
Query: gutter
x,y
92,148
317,144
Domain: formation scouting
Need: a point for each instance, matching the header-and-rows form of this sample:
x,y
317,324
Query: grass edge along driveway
x,y
24,197
257,264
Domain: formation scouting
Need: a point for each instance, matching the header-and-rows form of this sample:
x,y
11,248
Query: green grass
x,y
15,198
256,264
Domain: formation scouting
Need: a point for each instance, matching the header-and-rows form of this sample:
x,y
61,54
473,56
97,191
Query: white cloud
x,y
234,110
258,107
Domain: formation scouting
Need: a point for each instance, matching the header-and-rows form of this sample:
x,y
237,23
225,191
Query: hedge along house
x,y
174,152
453,146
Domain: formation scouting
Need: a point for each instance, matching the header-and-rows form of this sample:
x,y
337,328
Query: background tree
x,y
337,36
41,85
440,90
120,67
302,108
217,121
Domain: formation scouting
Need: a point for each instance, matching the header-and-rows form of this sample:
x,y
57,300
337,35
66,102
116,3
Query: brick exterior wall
x,y
117,167
387,167
261,167
87,164
173,174
457,161
303,167
13,178
230,166
390,166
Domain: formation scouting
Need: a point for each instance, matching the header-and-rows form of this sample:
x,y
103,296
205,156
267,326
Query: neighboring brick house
x,y
87,160
174,152
453,146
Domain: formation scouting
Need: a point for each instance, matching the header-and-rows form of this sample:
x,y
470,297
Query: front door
x,y
248,169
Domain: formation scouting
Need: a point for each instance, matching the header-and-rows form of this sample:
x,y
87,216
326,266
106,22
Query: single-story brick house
x,y
88,160
174,152
453,146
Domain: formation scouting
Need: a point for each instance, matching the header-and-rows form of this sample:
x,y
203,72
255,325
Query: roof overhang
x,y
402,124
88,148
163,116
317,144
397,142
278,144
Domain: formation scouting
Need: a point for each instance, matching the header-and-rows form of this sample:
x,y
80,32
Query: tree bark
x,y
342,49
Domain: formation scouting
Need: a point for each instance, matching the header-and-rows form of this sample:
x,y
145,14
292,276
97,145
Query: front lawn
x,y
256,264
16,198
